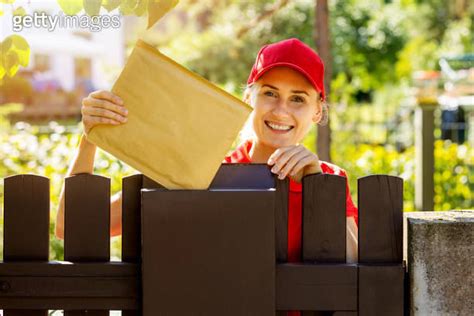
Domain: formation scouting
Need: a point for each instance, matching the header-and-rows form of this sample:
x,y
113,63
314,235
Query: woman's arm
x,y
83,162
100,107
351,241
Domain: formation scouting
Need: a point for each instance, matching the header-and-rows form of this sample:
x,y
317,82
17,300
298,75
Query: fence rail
x,y
203,252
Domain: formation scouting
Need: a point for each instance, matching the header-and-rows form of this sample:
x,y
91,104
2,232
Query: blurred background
x,y
384,59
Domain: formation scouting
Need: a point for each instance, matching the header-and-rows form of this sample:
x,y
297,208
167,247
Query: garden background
x,y
376,47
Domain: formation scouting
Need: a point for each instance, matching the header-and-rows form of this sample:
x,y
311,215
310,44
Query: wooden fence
x,y
221,251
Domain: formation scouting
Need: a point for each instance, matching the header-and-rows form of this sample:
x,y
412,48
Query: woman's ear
x,y
246,96
318,113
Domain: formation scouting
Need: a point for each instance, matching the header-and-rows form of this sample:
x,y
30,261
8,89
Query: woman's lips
x,y
278,127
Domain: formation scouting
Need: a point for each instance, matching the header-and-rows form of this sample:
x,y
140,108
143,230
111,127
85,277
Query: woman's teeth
x,y
278,126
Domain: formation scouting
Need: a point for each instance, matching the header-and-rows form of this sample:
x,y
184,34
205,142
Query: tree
x,y
323,44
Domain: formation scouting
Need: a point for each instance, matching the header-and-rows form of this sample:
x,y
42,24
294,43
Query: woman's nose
x,y
281,108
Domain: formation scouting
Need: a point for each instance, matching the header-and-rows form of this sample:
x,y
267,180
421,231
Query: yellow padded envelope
x,y
180,126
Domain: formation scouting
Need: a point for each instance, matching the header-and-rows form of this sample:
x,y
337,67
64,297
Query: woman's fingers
x,y
106,95
290,166
92,121
102,107
105,104
101,112
296,172
293,161
282,155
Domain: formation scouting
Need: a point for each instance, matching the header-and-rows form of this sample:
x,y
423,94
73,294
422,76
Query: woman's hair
x,y
247,131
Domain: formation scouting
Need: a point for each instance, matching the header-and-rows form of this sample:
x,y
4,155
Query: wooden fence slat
x,y
381,290
324,218
219,248
131,218
69,286
26,204
316,287
87,224
281,220
150,184
87,219
26,210
24,312
380,200
131,221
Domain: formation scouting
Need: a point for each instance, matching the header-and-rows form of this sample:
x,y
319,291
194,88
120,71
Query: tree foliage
x,y
15,51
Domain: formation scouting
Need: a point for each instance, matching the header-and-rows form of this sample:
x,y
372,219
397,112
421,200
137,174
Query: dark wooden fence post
x,y
26,225
324,218
381,271
87,224
131,224
209,252
322,283
324,237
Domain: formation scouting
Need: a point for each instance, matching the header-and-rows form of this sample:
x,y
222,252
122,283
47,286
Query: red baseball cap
x,y
292,53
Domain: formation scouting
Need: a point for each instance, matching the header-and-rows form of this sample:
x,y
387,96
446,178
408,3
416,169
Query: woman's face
x,y
285,106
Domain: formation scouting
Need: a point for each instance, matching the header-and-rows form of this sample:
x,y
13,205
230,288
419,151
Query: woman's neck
x,y
259,153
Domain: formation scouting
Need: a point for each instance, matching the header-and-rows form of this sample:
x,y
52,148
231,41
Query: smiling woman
x,y
286,90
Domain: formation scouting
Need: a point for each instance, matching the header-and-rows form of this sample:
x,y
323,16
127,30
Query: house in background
x,y
65,64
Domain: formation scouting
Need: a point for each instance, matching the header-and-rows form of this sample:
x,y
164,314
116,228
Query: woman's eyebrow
x,y
292,91
300,92
270,86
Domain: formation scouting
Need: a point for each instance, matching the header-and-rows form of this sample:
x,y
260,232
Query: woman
x,y
286,90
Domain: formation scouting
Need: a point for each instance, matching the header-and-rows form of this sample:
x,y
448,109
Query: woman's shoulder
x,y
331,168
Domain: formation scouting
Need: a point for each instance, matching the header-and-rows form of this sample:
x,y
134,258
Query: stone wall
x,y
440,255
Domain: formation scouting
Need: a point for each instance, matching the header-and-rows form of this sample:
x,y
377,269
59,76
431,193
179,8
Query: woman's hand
x,y
102,107
294,161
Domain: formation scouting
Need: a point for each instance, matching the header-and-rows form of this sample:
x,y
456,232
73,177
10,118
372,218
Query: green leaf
x,y
128,6
2,68
10,62
19,42
19,11
6,44
23,57
110,5
70,7
141,8
158,8
15,52
92,7
20,46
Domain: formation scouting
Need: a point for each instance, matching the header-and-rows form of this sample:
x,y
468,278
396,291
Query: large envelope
x,y
180,126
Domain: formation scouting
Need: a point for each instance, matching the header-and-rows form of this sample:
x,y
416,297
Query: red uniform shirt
x,y
241,155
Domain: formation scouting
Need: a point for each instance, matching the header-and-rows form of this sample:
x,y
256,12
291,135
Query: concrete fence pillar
x,y
440,254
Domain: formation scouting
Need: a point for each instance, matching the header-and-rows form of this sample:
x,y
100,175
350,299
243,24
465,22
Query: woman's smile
x,y
279,128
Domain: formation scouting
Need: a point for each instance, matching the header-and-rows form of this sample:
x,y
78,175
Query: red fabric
x,y
241,155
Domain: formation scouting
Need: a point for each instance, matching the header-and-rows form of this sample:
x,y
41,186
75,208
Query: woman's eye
x,y
269,93
298,99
